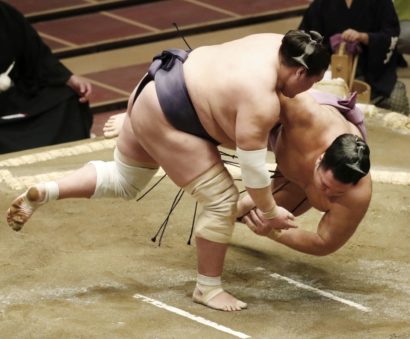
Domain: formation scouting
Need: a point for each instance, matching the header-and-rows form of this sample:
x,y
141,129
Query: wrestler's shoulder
x,y
360,195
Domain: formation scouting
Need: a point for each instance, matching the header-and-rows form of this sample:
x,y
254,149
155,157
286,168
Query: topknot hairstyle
x,y
300,48
348,158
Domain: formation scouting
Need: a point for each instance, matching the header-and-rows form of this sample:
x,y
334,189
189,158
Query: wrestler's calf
x,y
216,192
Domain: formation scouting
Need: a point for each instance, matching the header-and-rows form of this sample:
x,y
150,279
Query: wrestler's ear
x,y
300,72
319,160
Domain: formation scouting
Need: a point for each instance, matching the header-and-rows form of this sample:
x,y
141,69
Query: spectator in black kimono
x,y
41,101
375,25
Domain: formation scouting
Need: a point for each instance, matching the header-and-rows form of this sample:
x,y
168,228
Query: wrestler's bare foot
x,y
23,207
113,125
218,299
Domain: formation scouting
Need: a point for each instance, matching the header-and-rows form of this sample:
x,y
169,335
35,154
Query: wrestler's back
x,y
308,130
221,78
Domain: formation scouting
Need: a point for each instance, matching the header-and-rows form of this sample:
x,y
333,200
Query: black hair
x,y
348,158
300,48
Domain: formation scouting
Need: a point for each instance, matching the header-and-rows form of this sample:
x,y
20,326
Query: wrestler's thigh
x,y
183,156
129,145
290,196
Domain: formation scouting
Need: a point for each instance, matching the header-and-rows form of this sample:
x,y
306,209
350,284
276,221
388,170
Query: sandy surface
x,y
74,270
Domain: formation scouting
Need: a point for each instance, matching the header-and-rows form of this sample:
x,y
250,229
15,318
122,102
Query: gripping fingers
x,y
291,222
291,225
248,221
258,221
262,227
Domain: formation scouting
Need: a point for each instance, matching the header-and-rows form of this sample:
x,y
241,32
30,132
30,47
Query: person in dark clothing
x,y
41,102
375,25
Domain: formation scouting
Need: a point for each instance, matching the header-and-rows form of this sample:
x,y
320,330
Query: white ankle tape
x,y
208,281
52,191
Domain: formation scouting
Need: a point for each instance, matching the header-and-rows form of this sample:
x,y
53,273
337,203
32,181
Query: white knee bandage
x,y
117,179
253,168
217,193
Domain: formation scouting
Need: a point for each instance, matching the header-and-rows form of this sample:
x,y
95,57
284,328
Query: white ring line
x,y
36,157
98,145
322,293
188,315
381,175
35,295
18,183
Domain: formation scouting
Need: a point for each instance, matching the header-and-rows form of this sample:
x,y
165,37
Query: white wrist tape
x,y
253,167
271,214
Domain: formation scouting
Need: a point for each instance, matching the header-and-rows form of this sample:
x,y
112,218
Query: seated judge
x,y
375,26
41,102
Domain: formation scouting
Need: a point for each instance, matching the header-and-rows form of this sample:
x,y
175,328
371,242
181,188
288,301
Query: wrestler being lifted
x,y
191,102
323,161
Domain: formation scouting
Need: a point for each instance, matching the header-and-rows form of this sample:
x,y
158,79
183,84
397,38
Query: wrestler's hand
x,y
81,86
255,221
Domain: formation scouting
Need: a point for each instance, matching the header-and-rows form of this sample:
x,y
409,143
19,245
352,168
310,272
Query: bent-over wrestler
x,y
322,162
186,105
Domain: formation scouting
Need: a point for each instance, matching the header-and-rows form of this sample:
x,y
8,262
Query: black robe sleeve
x,y
39,109
378,19
35,65
381,50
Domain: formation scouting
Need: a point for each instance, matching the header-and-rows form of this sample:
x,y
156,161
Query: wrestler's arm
x,y
335,228
253,124
252,130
